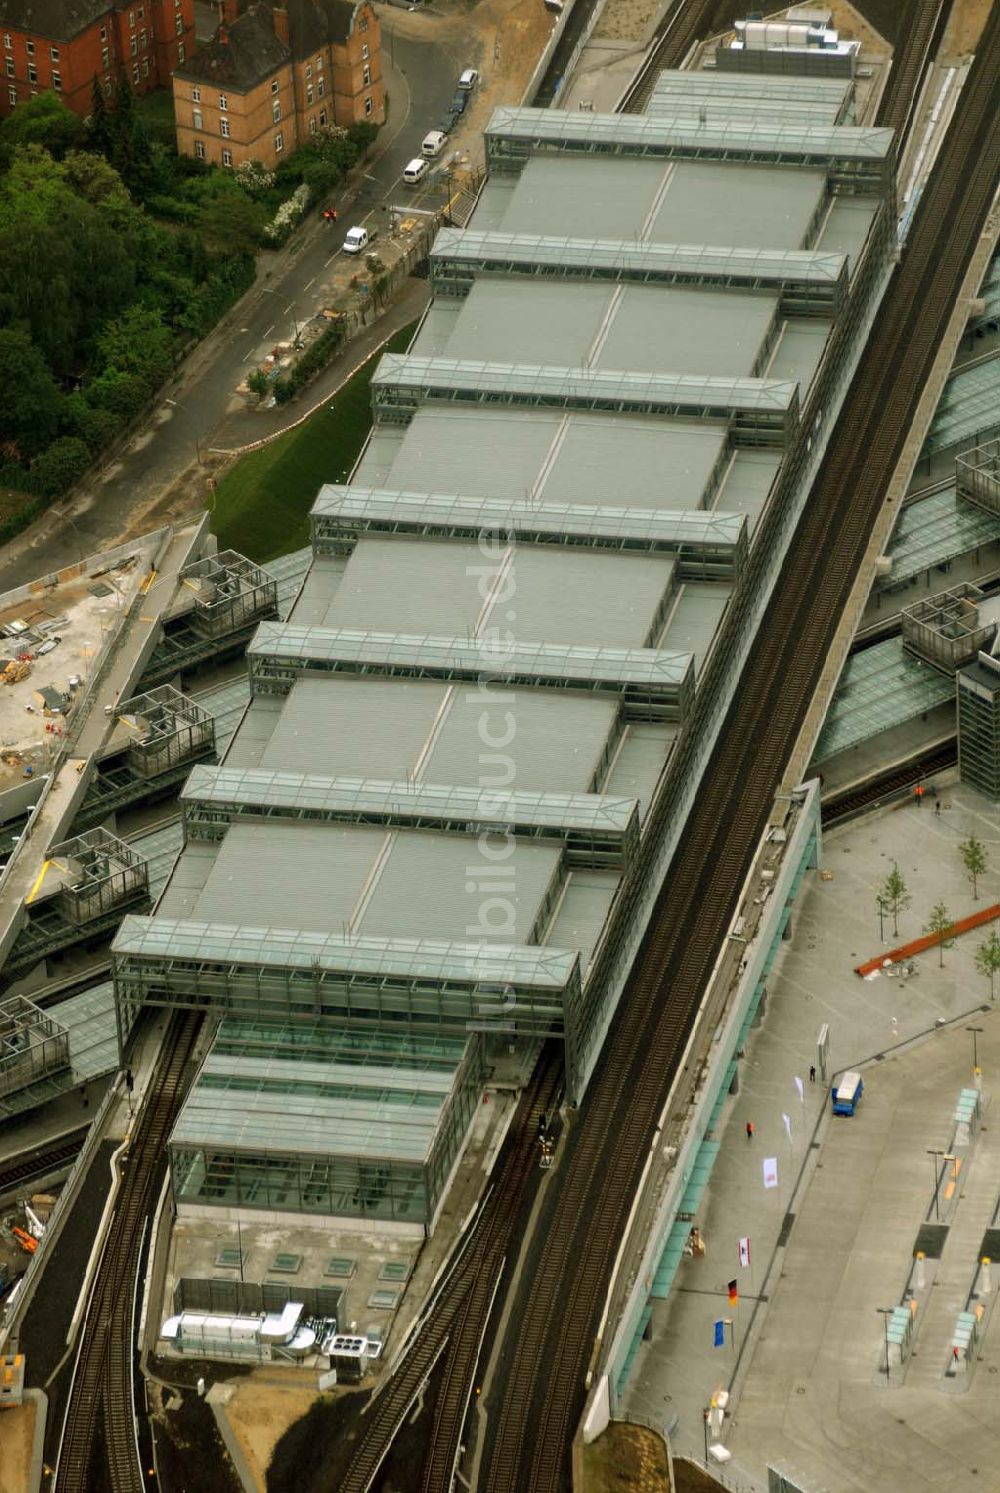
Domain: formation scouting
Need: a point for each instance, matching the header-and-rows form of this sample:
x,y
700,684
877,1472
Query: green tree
x,y
30,402
137,342
973,854
43,120
894,896
131,151
258,383
62,464
233,222
938,923
94,179
99,120
988,961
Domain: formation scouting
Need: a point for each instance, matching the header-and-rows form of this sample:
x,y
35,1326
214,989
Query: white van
x,y
357,240
414,170
468,80
433,144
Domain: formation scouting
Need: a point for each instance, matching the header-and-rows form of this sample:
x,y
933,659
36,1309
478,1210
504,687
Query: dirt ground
x,y
626,1459
17,1430
261,1411
627,20
965,25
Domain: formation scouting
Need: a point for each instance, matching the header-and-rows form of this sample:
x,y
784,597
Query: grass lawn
x,y
262,504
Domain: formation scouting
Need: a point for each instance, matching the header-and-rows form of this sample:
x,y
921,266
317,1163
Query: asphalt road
x,y
191,416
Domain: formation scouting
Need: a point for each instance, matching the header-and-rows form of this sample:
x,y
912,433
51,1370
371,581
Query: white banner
x,y
745,1252
801,1088
770,1171
788,1125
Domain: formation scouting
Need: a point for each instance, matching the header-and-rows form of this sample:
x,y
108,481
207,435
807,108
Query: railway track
x,y
891,784
925,27
30,1168
99,1413
565,1278
457,1315
680,28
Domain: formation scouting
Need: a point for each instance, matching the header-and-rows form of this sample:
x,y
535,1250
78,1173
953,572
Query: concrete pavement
x,y
835,1241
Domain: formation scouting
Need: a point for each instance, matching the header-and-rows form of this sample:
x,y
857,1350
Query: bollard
x,y
985,1284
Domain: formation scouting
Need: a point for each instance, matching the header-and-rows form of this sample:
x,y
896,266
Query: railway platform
x,y
834,1241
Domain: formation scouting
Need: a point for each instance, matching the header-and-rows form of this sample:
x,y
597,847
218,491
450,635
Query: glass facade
x,y
979,726
325,1120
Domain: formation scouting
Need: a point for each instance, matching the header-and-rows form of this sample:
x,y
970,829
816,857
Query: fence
x,y
250,1298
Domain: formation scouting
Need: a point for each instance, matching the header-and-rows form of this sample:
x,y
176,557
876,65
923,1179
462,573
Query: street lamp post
x,y
704,1416
881,919
885,1312
935,1155
976,1031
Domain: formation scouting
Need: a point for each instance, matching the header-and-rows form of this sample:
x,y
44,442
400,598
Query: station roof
x,y
303,1096
968,409
393,958
89,1022
829,93
678,202
396,728
389,509
368,880
933,531
881,686
654,329
262,788
431,585
750,140
539,455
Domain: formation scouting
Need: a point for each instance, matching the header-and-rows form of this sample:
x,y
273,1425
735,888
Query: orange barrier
x,y
929,940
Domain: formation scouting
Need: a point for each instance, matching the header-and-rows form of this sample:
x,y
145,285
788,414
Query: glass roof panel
x,y
295,948
624,666
596,812
420,509
880,687
933,531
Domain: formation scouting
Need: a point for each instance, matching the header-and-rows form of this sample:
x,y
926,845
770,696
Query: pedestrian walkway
x,y
833,1240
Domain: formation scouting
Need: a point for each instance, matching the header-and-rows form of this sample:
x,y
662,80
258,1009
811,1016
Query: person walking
x,y
812,1073
749,1129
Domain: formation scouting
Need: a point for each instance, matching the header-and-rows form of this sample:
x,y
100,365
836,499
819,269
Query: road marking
x,y
288,308
311,282
269,330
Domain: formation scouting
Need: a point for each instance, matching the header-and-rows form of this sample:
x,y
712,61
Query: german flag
x,y
734,1294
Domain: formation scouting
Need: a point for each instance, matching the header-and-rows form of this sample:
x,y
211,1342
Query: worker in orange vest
x,y
919,794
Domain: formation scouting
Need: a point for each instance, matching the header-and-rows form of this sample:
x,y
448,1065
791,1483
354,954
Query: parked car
x,y
433,144
468,80
358,239
415,170
459,102
446,124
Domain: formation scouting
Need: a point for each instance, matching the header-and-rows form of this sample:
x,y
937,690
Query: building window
x,y
223,102
312,126
29,47
224,128
199,149
276,111
12,96
309,69
196,95
179,28
368,105
133,45
309,94
32,73
364,52
145,67
142,39
54,53
180,52
6,41
366,76
57,81
142,12
196,119
364,23
319,64
322,119
321,87
275,85
131,20
10,67
107,88
279,143
227,158
135,72
105,60
104,33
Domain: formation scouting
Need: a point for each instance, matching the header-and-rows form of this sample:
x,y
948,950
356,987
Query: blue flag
x,y
720,1334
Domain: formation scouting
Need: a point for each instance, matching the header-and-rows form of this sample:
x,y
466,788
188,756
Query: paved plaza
x,y
804,1359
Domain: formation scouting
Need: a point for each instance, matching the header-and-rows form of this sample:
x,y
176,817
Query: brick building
x,y
64,44
274,74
